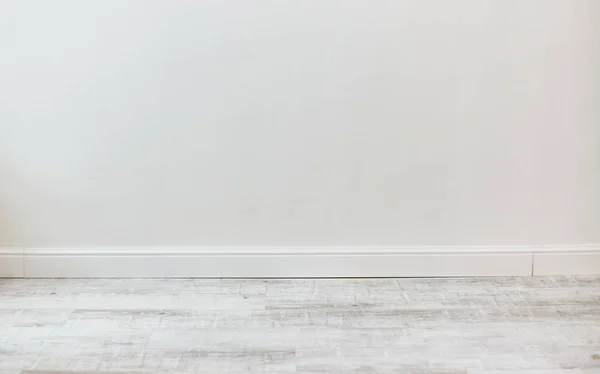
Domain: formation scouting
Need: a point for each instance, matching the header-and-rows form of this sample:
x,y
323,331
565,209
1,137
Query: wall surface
x,y
299,123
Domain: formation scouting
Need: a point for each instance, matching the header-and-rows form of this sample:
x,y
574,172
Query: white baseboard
x,y
11,263
283,262
567,260
243,262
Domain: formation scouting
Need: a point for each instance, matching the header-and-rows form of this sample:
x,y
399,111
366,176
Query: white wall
x,y
299,123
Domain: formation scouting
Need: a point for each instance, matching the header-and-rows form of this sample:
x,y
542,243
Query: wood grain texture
x,y
481,325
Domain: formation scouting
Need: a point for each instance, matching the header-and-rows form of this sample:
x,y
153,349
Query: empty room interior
x,y
341,186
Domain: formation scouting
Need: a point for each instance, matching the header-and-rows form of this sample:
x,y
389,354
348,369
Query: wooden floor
x,y
309,326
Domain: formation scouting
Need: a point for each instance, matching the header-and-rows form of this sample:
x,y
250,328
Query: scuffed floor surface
x,y
308,326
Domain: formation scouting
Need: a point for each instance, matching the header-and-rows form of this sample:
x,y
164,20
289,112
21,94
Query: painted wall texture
x,y
299,123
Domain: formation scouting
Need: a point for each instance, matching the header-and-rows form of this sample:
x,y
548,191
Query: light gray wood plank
x,y
482,325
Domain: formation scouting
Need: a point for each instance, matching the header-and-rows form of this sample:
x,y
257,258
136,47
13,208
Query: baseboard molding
x,y
11,263
277,263
567,260
245,262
